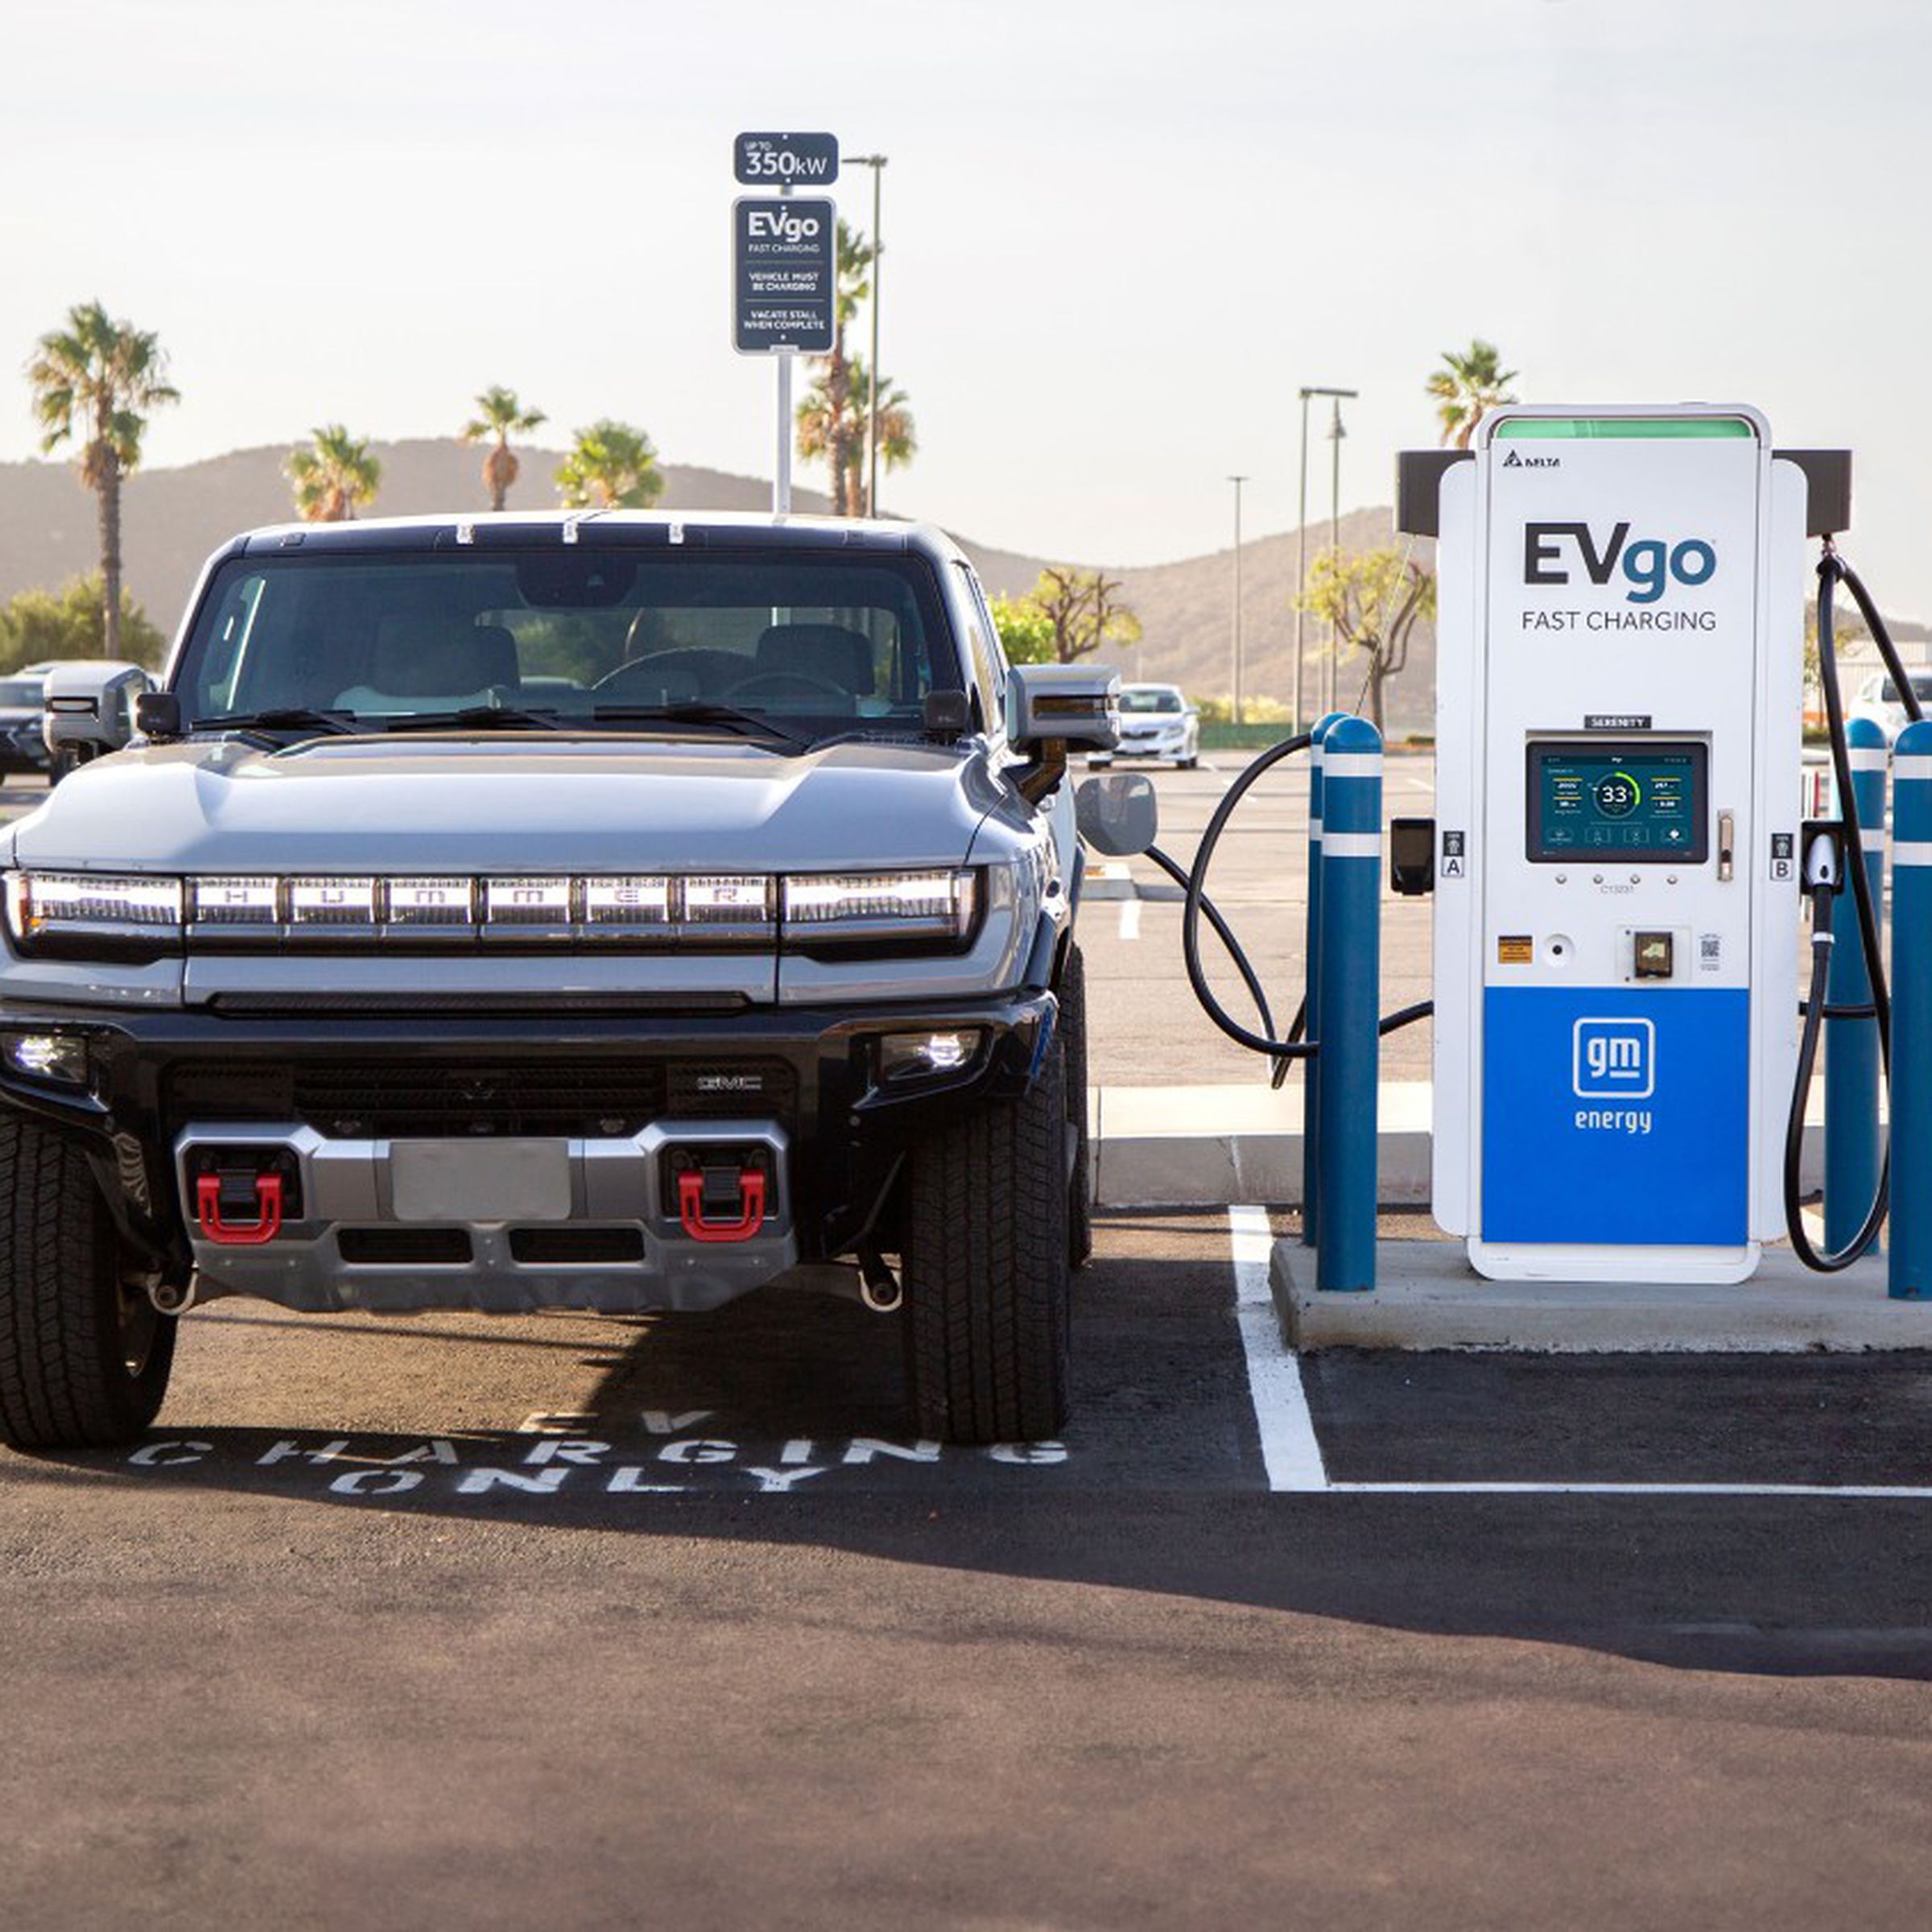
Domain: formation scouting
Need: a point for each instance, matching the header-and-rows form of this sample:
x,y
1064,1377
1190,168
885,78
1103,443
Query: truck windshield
x,y
823,643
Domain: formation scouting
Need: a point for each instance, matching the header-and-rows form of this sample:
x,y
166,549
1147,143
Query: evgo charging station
x,y
1621,644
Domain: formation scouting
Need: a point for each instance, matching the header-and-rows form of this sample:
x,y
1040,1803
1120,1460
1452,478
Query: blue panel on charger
x,y
1613,1118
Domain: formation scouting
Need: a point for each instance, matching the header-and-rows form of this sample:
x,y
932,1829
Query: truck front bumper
x,y
505,1162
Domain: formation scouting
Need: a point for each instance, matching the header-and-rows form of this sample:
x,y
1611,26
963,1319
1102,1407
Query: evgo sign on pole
x,y
783,267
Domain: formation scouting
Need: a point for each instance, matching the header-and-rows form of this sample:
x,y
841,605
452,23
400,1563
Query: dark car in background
x,y
22,699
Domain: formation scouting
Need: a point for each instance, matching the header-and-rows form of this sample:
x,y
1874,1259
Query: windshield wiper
x,y
477,717
281,717
699,712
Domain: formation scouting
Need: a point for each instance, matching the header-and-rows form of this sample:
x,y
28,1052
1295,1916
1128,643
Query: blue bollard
x,y
1349,974
1311,1164
1911,1259
1853,1147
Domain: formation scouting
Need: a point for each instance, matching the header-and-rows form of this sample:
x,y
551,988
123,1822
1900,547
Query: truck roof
x,y
457,528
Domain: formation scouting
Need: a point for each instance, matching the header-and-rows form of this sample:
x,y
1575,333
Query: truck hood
x,y
503,804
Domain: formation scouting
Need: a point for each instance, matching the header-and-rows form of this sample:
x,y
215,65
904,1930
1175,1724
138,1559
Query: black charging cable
x,y
1197,905
1822,865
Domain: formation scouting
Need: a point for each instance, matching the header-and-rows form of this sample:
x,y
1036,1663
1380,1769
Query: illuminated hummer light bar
x,y
937,904
330,902
49,902
235,909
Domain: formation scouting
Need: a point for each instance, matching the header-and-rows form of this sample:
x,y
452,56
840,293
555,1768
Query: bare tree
x,y
1085,610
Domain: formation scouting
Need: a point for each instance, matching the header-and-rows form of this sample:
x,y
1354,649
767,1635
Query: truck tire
x,y
985,1270
1073,1030
85,1357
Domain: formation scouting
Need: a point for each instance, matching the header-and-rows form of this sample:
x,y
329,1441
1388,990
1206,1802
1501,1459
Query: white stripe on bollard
x,y
1352,845
1351,765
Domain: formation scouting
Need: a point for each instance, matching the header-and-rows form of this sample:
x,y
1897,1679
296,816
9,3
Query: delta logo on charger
x,y
1614,1060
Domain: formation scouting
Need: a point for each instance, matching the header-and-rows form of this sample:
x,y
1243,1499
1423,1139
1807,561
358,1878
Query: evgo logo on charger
x,y
1651,564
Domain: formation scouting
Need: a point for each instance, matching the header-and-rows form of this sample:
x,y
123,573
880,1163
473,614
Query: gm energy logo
x,y
1614,1059
1650,565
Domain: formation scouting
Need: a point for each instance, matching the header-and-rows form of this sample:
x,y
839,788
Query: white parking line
x,y
1855,1492
1130,919
1290,1451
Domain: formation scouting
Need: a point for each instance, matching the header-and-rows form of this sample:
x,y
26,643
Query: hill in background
x,y
173,518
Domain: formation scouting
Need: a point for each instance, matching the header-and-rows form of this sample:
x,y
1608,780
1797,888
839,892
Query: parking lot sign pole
x,y
1910,1267
781,473
784,267
1853,1147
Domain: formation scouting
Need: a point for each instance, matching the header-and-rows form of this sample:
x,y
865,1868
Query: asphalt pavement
x,y
438,1619
435,1620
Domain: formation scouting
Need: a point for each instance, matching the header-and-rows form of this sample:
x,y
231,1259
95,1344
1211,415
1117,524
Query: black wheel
x,y
1073,1031
85,1356
985,1270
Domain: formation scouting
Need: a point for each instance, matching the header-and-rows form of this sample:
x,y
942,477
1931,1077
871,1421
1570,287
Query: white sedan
x,y
1879,700
1157,722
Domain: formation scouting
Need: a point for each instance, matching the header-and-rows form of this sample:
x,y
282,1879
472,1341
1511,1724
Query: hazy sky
x,y
1119,234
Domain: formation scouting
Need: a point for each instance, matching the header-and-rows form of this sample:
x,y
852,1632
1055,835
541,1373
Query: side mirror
x,y
1063,704
90,707
158,714
1118,816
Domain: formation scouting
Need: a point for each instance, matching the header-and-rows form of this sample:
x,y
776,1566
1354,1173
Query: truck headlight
x,y
830,908
93,905
904,1057
59,1059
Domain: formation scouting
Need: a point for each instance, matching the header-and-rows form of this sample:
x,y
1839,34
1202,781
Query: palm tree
x,y
1466,386
611,466
835,432
95,378
334,476
898,438
499,415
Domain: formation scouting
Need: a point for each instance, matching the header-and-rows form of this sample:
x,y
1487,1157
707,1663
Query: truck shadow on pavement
x,y
778,1421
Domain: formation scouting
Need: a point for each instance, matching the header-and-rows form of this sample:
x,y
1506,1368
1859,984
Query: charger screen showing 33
x,y
1622,803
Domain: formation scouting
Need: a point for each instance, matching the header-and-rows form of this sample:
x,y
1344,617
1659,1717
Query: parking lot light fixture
x,y
1301,542
876,164
1237,481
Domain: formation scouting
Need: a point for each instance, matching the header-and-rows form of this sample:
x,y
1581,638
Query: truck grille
x,y
601,1099
605,1099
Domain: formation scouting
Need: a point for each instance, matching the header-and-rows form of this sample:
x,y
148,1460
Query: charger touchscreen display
x,y
1643,803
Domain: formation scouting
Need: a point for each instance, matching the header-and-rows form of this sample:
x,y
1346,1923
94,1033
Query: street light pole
x,y
1336,433
1237,481
876,164
1301,548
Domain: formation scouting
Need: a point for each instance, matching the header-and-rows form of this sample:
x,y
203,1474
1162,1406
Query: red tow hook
x,y
266,1226
691,1208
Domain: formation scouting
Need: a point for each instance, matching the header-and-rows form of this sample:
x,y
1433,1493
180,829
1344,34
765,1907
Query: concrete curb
x,y
1214,1146
1428,1297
